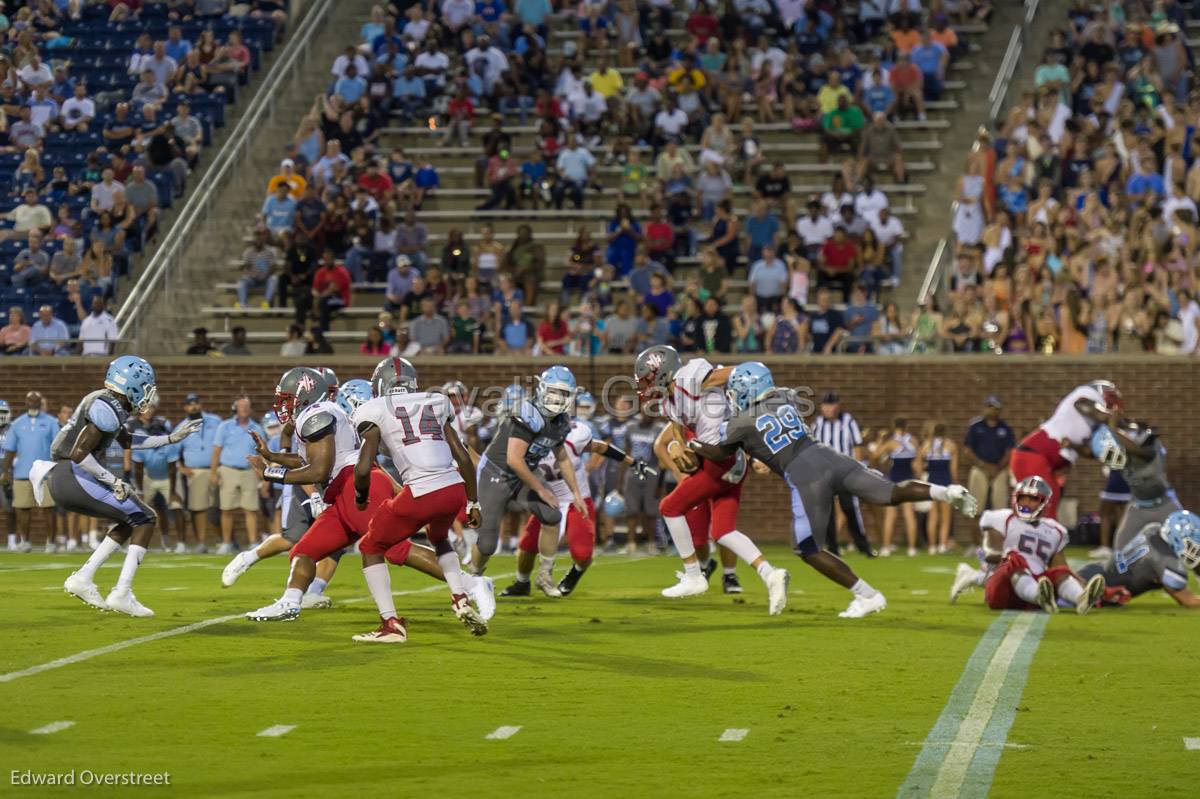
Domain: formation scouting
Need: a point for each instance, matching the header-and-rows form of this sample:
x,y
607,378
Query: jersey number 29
x,y
780,428
427,426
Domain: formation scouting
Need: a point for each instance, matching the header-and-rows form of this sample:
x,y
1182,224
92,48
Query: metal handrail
x,y
935,265
235,149
1008,66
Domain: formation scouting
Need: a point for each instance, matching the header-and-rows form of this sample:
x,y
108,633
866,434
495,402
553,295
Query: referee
x,y
838,430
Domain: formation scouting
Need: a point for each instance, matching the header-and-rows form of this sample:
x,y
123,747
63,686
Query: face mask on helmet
x,y
1029,500
585,407
283,405
554,399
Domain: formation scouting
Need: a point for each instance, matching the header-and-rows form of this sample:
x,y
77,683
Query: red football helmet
x,y
1113,401
1030,498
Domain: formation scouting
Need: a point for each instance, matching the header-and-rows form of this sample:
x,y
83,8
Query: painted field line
x,y
938,570
959,756
920,591
502,733
276,731
1005,745
733,735
53,727
1191,743
177,588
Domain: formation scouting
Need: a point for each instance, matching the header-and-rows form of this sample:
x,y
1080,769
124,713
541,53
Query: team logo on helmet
x,y
306,382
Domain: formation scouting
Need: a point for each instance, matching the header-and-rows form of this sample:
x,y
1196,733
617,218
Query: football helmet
x,y
585,406
654,370
1107,448
132,378
297,389
5,413
1030,498
748,383
353,393
393,376
331,380
1182,532
510,402
555,391
1113,401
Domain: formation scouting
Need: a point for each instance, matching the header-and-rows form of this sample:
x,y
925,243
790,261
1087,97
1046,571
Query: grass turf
x,y
616,690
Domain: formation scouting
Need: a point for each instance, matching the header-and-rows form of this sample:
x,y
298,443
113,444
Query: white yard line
x,y
920,591
502,733
53,727
1192,744
733,735
276,731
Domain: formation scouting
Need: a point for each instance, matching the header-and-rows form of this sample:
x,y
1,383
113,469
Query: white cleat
x,y
1100,553
390,631
688,585
546,585
1046,597
482,591
1092,593
961,500
468,615
315,602
85,591
72,546
123,601
180,548
234,569
777,588
276,611
965,579
225,549
863,606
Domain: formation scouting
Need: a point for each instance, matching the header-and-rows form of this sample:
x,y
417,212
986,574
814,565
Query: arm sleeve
x,y
93,467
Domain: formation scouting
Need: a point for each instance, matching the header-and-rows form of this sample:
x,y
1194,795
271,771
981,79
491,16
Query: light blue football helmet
x,y
614,505
270,420
1107,448
511,400
353,393
1182,532
748,383
132,378
5,413
555,391
585,405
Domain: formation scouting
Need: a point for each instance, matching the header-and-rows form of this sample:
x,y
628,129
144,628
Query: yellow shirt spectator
x,y
676,76
606,83
828,96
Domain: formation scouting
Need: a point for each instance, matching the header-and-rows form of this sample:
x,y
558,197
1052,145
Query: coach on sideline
x,y
990,442
196,457
229,470
28,439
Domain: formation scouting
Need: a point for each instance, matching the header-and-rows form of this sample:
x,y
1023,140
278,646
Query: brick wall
x,y
874,388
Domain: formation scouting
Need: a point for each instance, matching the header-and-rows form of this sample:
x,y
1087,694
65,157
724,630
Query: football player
x,y
1159,555
506,472
767,425
416,429
79,483
693,398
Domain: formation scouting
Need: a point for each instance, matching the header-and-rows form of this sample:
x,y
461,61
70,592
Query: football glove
x,y
642,470
121,490
316,504
184,430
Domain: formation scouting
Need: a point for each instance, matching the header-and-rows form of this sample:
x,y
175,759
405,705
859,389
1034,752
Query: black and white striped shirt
x,y
841,434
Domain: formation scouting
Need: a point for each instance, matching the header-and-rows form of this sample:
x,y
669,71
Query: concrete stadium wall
x,y
948,389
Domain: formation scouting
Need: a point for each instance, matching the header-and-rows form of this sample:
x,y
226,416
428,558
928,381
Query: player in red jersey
x,y
1051,450
693,398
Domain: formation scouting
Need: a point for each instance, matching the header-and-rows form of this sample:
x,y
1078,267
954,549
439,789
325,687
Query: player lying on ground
x,y
301,505
693,398
579,528
416,429
80,484
506,477
1024,547
767,426
1159,555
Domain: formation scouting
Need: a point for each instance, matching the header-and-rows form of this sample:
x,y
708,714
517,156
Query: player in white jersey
x,y
1053,448
416,429
693,398
579,528
1026,550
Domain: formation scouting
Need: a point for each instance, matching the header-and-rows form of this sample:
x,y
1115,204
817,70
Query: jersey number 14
x,y
427,426
780,428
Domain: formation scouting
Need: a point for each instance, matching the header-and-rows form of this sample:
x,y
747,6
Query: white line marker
x,y
176,588
938,570
1192,744
733,734
982,745
53,727
920,591
502,733
277,731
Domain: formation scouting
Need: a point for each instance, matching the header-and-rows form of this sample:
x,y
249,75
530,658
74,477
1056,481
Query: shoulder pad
x,y
531,417
103,416
317,426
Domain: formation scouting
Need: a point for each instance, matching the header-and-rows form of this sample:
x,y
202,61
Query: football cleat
x,y
545,584
688,585
276,611
468,615
1093,592
85,591
965,579
518,588
482,591
180,548
1117,595
1100,553
390,631
730,584
123,601
777,588
315,602
567,584
235,569
864,606
1046,597
224,548
961,500
709,568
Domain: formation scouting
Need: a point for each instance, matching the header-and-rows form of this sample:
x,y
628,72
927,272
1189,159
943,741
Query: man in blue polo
x,y
229,470
932,59
989,444
154,472
28,439
195,461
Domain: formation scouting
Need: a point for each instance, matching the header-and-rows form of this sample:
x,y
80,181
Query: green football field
x,y
612,692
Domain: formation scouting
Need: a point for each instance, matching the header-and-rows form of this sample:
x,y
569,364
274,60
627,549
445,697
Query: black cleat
x,y
568,582
518,588
731,585
709,568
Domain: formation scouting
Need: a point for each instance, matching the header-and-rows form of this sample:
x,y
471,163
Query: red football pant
x,y
699,519
1037,455
403,515
702,488
999,592
581,533
342,523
